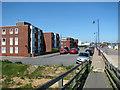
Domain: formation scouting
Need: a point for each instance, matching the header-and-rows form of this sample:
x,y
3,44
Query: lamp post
x,y
95,33
98,30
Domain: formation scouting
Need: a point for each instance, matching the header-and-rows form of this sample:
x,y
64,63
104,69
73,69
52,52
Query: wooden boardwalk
x,y
97,78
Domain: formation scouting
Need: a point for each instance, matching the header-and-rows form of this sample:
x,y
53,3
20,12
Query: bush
x,y
18,62
55,49
83,46
6,61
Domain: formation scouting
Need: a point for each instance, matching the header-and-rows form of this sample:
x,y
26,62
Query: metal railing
x,y
114,73
77,77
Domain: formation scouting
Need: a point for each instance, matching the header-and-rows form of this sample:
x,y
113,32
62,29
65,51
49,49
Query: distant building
x,y
79,43
23,39
52,40
68,42
76,43
57,39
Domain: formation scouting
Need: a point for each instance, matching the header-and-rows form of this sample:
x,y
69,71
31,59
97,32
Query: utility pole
x,y
98,32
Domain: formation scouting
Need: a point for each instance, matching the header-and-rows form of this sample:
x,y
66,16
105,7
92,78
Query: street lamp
x,y
98,29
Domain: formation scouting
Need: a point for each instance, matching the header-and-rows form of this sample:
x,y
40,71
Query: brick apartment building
x,y
57,39
23,39
76,42
69,42
52,40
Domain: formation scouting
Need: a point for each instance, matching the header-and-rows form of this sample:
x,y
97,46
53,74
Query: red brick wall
x,y
67,44
22,40
48,41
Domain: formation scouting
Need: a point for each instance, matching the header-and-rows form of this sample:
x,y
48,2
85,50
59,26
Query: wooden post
x,y
87,68
74,73
60,83
75,78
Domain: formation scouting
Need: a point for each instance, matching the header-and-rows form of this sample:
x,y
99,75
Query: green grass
x,y
18,83
67,67
10,70
13,69
27,86
37,73
7,82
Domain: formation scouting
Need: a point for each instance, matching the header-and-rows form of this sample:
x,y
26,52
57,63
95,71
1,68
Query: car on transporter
x,y
82,57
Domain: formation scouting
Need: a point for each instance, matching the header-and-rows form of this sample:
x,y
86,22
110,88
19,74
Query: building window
x,y
3,31
11,49
3,49
16,30
61,42
16,41
64,39
3,41
11,31
11,41
16,49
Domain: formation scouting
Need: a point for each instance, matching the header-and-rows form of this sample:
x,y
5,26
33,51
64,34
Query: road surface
x,y
113,56
65,59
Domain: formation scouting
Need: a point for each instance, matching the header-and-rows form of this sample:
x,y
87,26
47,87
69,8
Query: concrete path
x,y
97,78
112,56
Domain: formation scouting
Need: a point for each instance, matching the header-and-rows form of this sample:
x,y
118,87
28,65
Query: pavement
x,y
110,51
97,78
46,55
112,56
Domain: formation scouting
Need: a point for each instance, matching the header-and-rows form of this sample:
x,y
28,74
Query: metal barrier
x,y
84,68
114,73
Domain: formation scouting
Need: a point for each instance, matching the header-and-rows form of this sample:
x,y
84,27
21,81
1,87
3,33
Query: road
x,y
65,59
113,56
110,51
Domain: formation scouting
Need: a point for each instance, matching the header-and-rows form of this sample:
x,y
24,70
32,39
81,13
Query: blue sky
x,y
70,19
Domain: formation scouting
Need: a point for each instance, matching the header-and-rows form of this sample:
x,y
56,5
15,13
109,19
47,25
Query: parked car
x,y
67,49
91,52
92,48
63,51
77,49
82,57
73,50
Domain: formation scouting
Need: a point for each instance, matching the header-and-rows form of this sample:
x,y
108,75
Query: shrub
x,y
55,49
18,62
6,61
83,46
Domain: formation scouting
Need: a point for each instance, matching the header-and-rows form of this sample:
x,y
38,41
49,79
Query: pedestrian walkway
x,y
97,78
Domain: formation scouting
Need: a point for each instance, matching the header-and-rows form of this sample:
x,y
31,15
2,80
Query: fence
x,y
77,80
112,72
